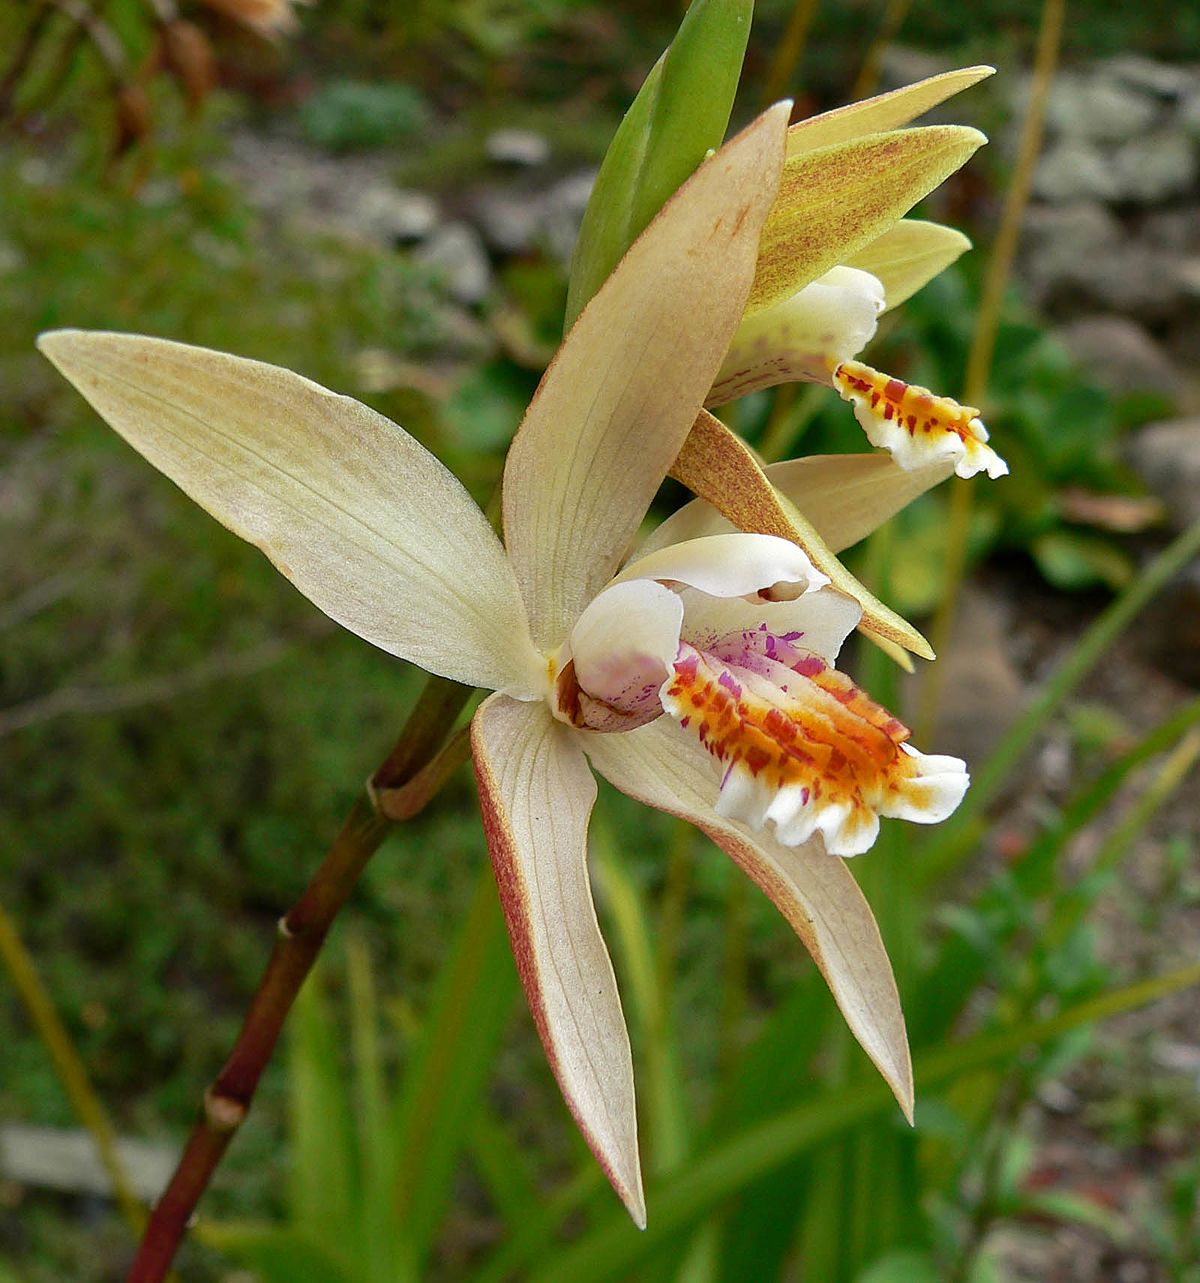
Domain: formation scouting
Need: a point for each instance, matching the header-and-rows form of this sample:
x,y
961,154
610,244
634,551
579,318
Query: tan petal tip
x,y
51,340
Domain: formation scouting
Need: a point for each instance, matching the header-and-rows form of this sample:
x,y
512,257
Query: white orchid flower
x,y
698,679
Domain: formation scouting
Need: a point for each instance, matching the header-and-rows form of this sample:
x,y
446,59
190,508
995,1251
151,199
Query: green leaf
x,y
1072,560
905,1266
383,1254
323,1189
442,1090
680,113
614,1247
276,1254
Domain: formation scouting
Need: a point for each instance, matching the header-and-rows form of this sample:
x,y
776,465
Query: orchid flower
x,y
699,678
814,332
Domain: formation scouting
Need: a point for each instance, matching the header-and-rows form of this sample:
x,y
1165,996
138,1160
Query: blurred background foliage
x,y
179,731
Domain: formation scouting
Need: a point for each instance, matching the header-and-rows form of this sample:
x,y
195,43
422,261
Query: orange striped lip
x,y
915,409
800,743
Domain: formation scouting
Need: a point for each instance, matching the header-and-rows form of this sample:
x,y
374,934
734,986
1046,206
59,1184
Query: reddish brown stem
x,y
300,936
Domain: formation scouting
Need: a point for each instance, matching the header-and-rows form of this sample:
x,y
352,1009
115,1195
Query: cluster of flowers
x,y
697,674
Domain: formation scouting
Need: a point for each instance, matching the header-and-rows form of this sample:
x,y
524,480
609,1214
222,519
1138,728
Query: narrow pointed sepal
x,y
813,890
891,110
617,401
536,794
365,522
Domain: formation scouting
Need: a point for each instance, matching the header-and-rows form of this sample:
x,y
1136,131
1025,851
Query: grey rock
x,y
1169,629
981,692
1177,230
1061,245
394,216
1099,109
1074,169
1150,284
565,203
1164,80
1166,456
520,148
1119,354
1188,118
456,251
66,1160
511,222
1085,225
1154,168
11,258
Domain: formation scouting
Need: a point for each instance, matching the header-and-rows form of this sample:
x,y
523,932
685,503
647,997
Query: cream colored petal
x,y
884,111
358,515
804,337
536,794
813,890
833,202
717,465
618,399
624,643
730,565
844,496
908,256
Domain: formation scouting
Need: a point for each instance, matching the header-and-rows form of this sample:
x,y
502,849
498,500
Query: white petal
x,y
804,337
729,565
624,643
358,515
940,785
815,621
536,794
814,891
618,400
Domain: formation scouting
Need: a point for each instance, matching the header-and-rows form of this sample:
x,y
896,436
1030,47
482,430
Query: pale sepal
x,y
908,256
884,111
835,201
813,890
718,466
619,398
356,513
536,794
844,496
